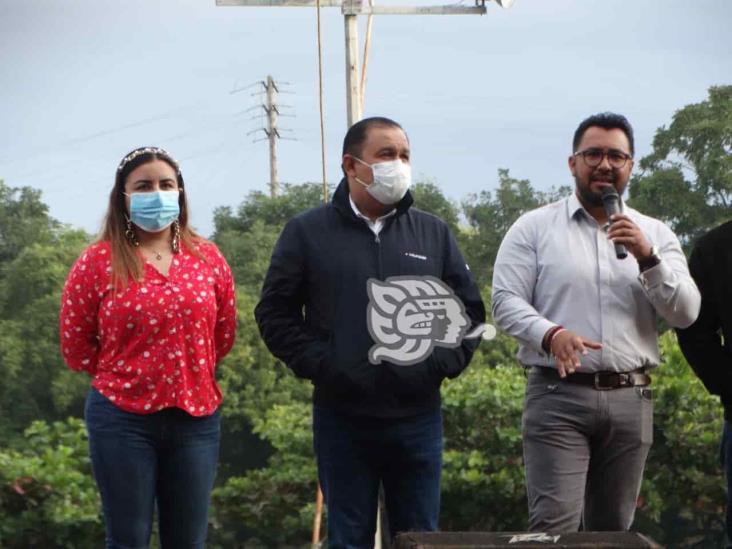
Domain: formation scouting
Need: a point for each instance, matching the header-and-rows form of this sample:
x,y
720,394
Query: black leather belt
x,y
601,381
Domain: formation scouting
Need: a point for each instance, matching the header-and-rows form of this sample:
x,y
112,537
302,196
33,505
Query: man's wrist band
x,y
547,343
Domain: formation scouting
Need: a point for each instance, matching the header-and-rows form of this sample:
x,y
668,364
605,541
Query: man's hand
x,y
623,231
565,346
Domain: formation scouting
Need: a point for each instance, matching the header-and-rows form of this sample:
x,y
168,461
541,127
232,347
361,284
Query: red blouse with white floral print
x,y
154,344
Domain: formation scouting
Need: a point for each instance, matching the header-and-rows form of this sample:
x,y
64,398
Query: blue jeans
x,y
356,453
168,457
726,459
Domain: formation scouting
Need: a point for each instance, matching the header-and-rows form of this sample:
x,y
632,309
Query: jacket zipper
x,y
377,241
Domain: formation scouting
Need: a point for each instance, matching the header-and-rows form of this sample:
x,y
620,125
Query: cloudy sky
x,y
82,82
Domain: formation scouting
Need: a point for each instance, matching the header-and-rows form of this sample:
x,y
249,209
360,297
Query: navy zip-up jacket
x,y
312,312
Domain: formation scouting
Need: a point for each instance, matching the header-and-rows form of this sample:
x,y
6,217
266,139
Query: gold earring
x,y
130,234
175,244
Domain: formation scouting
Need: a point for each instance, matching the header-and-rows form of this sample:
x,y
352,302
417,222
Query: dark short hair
x,y
356,134
608,121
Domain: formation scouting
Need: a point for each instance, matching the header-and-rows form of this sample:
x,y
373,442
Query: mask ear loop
x,y
365,185
362,162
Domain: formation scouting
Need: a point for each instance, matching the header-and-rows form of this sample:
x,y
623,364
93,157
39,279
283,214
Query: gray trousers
x,y
584,453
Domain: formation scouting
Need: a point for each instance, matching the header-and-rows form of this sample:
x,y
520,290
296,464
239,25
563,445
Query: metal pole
x,y
366,48
353,99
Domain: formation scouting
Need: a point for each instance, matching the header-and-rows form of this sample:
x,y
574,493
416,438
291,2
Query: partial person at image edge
x,y
706,343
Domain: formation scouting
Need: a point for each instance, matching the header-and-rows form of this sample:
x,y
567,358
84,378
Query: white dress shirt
x,y
375,225
557,266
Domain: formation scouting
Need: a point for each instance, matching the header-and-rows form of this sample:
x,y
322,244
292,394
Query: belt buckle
x,y
599,387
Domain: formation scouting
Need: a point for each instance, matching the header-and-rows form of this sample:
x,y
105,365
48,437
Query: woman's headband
x,y
147,150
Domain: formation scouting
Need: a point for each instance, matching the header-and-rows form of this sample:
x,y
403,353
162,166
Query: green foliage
x,y
24,220
687,179
490,215
247,238
47,495
36,383
250,377
276,503
429,198
274,212
249,252
483,477
682,499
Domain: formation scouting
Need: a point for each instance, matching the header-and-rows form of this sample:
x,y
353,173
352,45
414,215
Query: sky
x,y
83,82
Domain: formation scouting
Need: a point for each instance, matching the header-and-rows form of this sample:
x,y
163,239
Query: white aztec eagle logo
x,y
408,316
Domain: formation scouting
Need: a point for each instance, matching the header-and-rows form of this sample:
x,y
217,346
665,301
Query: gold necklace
x,y
157,254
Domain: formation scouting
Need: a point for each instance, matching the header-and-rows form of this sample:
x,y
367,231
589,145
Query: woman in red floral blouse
x,y
148,311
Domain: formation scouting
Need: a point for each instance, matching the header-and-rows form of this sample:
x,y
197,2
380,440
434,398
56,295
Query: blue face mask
x,y
154,211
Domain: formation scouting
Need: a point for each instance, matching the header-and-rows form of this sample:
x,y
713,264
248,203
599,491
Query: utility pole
x,y
272,131
351,9
273,135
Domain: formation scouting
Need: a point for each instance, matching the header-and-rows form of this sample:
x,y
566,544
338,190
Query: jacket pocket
x,y
346,371
413,383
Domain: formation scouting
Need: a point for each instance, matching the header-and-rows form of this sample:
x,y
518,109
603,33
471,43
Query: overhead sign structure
x,y
351,9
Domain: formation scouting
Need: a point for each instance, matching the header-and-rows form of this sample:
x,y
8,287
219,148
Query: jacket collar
x,y
342,203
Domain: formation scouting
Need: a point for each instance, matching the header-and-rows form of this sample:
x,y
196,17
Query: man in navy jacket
x,y
371,300
707,344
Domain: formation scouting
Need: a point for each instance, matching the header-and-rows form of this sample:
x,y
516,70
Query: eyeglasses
x,y
593,157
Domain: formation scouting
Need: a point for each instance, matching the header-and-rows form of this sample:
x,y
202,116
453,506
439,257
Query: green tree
x,y
272,506
24,220
428,197
247,238
252,380
483,477
36,383
270,211
687,179
490,215
47,494
682,498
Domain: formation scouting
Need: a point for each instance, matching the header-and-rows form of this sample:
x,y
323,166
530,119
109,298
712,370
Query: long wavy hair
x,y
126,261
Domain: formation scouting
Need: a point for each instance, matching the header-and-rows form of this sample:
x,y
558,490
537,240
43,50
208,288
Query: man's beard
x,y
587,196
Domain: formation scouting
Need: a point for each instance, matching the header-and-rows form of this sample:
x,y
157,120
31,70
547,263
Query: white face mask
x,y
391,180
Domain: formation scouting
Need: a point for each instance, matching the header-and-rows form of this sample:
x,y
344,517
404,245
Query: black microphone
x,y
611,204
